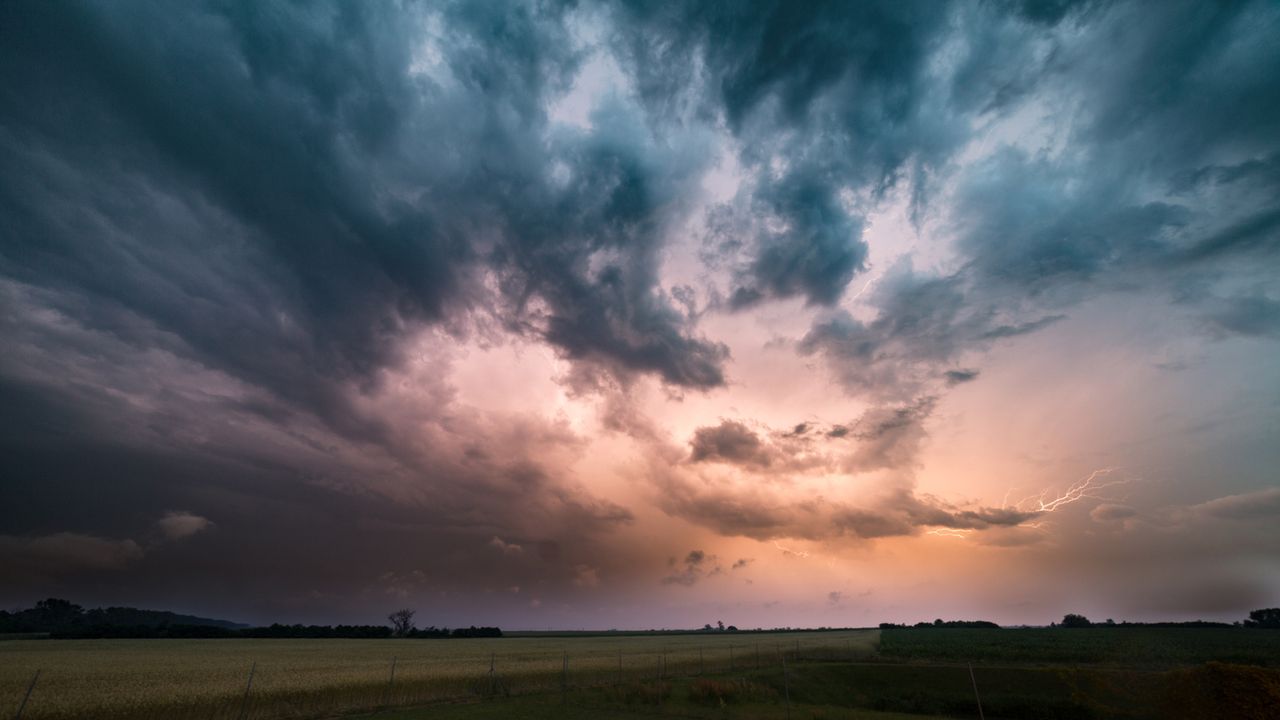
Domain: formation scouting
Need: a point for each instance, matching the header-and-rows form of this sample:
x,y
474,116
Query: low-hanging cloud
x,y
179,524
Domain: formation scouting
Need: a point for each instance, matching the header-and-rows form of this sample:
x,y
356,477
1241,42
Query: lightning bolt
x,y
1042,504
950,532
864,289
1080,490
789,551
1005,502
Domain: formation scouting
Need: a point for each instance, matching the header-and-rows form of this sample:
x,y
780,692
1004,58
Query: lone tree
x,y
1264,618
401,622
1071,620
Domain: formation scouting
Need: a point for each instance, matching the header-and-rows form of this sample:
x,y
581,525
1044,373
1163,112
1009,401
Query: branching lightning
x,y
863,290
1043,504
789,551
1082,489
950,532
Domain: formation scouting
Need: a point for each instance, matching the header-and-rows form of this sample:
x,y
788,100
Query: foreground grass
x,y
1138,674
750,697
880,692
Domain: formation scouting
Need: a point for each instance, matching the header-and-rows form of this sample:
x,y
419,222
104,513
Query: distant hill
x,y
55,615
155,618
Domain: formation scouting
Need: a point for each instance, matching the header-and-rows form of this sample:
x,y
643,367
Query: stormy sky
x,y
592,315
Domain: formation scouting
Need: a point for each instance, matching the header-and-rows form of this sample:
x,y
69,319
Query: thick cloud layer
x,y
249,252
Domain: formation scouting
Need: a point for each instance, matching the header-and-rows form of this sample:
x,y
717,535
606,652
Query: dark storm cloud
x,y
731,442
1255,315
923,325
834,104
219,227
825,99
276,189
813,254
697,565
890,437
958,377
763,515
885,438
1031,224
299,519
1119,209
754,448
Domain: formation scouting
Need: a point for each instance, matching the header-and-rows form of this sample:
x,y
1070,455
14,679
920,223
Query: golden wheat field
x,y
207,679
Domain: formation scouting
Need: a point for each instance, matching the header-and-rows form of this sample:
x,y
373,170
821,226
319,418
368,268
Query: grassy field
x,y
1131,647
206,679
1135,674
871,691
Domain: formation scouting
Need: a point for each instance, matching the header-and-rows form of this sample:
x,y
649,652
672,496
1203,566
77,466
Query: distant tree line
x,y
63,619
940,623
1265,618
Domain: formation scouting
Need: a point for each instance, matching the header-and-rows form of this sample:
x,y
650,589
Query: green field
x,y
1134,673
1130,647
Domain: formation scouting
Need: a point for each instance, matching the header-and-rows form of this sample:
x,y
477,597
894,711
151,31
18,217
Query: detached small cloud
x,y
697,565
586,576
834,597
178,524
956,377
729,442
741,563
506,548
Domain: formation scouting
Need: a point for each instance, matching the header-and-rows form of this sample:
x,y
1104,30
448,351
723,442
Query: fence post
x,y
797,649
702,667
27,697
493,679
662,661
975,692
244,702
786,686
730,657
757,656
564,680
619,666
391,682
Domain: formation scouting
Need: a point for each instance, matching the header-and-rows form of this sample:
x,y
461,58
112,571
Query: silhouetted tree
x,y
401,622
1071,620
1264,618
719,624
56,613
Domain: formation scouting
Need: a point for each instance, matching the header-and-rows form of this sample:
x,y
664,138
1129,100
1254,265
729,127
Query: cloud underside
x,y
237,245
